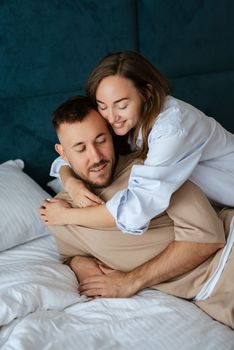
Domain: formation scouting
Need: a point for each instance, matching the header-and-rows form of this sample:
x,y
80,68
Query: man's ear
x,y
59,148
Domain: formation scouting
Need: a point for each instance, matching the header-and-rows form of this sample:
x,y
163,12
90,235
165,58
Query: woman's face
x,y
119,102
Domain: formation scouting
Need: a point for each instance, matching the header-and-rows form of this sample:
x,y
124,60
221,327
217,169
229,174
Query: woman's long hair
x,y
152,86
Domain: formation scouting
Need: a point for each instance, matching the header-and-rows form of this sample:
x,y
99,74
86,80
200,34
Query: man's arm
x,y
179,257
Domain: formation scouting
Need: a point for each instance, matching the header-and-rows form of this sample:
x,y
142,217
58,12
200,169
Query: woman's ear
x,y
149,90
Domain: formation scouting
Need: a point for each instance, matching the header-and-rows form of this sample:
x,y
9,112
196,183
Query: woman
x,y
175,140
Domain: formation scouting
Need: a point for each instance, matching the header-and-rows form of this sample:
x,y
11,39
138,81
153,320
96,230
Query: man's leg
x,y
220,303
196,221
194,218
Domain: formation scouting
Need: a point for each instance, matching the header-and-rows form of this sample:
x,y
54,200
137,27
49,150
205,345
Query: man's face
x,y
88,147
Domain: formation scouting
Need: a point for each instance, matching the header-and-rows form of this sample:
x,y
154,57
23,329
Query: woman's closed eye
x,y
123,107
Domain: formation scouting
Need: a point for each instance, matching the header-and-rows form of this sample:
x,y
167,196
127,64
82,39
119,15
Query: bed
x,y
40,306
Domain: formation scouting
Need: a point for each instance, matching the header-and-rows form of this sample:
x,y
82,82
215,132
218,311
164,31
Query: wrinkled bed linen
x,y
41,309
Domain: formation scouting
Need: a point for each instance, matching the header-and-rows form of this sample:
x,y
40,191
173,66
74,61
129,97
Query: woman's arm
x,y
79,192
57,212
66,174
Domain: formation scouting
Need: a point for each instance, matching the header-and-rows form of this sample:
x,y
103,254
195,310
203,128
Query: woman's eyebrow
x,y
117,101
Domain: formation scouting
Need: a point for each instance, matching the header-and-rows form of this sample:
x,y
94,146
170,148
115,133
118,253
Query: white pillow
x,y
20,199
56,185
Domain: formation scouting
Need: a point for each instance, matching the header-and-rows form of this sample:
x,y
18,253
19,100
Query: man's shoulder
x,y
121,176
125,163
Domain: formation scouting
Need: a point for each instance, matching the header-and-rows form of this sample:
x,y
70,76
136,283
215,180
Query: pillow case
x,y
20,199
56,185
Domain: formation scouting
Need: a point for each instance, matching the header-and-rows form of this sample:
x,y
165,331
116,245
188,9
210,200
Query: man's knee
x,y
193,216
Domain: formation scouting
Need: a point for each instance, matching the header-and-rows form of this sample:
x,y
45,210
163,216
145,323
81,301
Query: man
x,y
176,255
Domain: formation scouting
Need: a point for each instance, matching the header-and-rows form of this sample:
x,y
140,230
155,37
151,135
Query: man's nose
x,y
94,154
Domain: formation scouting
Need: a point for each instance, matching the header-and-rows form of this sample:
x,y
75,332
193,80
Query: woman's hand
x,y
80,194
53,211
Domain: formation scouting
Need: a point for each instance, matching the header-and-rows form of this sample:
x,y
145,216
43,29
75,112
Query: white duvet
x,y
40,309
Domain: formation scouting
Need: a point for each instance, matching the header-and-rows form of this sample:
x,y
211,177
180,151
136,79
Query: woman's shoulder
x,y
177,118
169,120
174,109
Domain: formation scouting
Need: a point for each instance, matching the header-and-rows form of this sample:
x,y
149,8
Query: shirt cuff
x,y
56,165
113,205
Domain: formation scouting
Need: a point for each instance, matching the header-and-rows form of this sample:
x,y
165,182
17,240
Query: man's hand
x,y
84,267
53,211
115,284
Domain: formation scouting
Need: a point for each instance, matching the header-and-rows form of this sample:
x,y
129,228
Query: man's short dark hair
x,y
72,110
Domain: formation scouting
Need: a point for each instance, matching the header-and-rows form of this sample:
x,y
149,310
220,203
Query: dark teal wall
x,y
48,49
192,43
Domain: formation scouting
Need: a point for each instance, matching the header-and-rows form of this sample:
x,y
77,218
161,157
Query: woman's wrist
x,y
70,182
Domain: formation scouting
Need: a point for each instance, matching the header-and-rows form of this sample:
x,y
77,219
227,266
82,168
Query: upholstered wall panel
x,y
51,46
192,43
27,133
212,93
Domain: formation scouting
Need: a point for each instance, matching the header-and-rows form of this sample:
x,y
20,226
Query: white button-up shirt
x,y
183,144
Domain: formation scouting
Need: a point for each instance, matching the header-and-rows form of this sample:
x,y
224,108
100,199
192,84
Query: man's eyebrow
x,y
117,101
83,142
101,134
78,144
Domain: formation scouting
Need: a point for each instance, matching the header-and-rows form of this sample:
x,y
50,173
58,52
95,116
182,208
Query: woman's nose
x,y
111,116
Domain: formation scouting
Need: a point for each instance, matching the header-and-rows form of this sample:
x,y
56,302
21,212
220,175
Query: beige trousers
x,y
220,303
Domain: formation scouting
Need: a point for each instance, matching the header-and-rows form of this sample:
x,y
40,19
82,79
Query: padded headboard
x,y
48,49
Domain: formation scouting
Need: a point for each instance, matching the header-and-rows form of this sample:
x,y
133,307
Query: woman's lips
x,y
118,125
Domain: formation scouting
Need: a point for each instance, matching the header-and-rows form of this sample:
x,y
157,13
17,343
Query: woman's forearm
x,y
97,216
66,173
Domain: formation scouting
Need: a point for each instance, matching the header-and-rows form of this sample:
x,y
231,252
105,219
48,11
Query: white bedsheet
x,y
41,309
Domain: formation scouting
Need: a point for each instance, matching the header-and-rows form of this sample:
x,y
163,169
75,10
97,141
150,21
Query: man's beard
x,y
97,185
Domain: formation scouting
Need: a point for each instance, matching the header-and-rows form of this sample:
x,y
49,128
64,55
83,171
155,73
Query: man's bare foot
x,y
84,267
